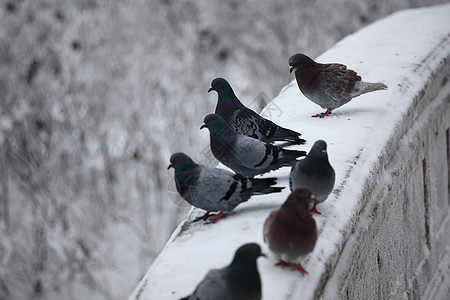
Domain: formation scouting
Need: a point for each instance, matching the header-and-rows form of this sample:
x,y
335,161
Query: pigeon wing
x,y
268,224
249,123
252,153
218,189
337,82
213,287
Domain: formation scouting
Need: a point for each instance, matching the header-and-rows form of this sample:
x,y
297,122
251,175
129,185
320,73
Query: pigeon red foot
x,y
295,267
204,217
214,220
217,218
299,267
314,210
322,115
283,264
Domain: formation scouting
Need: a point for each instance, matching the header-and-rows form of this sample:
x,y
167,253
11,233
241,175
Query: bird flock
x,y
251,145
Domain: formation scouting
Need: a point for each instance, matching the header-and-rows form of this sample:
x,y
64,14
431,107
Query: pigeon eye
x,y
210,120
253,249
294,61
176,158
216,83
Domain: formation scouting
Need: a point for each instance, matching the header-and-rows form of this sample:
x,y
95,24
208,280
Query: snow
x,y
402,51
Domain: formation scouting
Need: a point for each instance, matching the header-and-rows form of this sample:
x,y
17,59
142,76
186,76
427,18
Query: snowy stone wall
x,y
384,233
399,244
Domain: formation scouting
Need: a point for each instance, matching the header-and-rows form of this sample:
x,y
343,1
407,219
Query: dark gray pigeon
x,y
314,172
238,281
247,122
214,189
329,85
290,231
245,155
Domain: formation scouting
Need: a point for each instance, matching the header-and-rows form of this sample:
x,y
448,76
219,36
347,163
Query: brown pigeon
x,y
329,85
290,231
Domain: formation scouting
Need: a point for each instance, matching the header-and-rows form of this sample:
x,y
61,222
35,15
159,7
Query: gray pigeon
x,y
290,231
247,122
245,155
214,189
238,281
329,85
314,172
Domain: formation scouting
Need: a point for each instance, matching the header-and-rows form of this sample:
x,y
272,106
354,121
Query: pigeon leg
x,y
204,217
322,115
283,264
217,218
299,267
314,210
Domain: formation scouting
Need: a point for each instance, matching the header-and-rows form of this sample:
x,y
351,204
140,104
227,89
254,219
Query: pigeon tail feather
x,y
261,186
287,135
289,156
269,190
367,87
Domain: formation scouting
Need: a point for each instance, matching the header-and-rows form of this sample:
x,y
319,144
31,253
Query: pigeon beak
x,y
203,126
262,254
291,69
210,90
170,166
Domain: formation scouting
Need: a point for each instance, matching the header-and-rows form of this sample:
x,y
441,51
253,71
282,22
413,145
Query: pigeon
x,y
238,281
245,155
314,172
290,231
246,121
214,189
329,85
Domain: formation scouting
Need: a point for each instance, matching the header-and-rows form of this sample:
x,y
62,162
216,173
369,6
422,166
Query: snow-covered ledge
x,y
384,233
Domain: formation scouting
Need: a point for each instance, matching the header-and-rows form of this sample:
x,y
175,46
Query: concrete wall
x,y
400,245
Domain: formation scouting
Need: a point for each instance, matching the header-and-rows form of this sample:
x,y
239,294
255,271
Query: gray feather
x,y
250,157
314,172
213,285
214,189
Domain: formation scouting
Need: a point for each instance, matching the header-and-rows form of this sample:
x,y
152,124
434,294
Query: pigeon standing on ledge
x,y
238,281
247,122
245,155
214,189
314,172
329,85
291,231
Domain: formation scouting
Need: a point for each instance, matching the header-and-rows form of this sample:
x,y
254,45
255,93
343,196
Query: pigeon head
x,y
301,195
223,88
302,61
297,204
215,123
181,162
247,254
220,85
319,150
